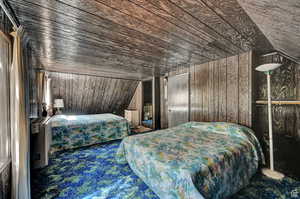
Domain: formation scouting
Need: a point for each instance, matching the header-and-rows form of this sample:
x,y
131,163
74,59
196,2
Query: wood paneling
x,y
232,84
279,21
85,94
285,85
5,25
135,38
5,181
220,90
163,103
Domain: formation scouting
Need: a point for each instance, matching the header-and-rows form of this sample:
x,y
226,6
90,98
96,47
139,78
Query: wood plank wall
x,y
163,103
5,25
85,94
285,85
221,90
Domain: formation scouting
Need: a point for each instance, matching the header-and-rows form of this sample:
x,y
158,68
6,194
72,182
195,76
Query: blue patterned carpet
x,y
93,173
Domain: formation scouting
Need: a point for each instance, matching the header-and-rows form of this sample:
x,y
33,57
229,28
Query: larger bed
x,y
194,160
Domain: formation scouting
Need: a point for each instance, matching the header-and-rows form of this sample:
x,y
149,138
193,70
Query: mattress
x,y
194,160
73,131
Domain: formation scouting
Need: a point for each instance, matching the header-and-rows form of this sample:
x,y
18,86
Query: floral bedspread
x,y
194,160
73,131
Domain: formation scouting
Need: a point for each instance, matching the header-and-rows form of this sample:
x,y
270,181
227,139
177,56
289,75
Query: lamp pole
x,y
270,121
267,69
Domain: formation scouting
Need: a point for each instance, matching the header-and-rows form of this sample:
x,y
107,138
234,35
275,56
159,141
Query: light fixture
x,y
58,103
267,69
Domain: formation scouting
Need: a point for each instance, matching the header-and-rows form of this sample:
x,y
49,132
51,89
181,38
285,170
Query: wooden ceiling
x,y
279,20
135,38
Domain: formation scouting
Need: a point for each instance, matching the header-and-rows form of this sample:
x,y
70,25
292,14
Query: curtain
x,y
47,94
19,122
5,61
40,77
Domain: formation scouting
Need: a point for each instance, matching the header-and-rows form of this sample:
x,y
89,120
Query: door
x,y
178,99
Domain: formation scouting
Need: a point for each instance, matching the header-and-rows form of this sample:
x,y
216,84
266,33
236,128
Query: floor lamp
x,y
267,69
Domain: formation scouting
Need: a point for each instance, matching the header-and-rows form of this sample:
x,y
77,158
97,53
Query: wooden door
x,y
178,99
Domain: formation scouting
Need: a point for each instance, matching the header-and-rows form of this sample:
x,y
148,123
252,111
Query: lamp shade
x,y
267,67
58,103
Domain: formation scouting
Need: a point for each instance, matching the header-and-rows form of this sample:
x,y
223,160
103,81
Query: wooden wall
x,y
221,90
285,85
5,25
163,103
84,94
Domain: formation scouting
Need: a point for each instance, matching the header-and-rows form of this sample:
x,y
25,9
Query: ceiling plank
x,y
59,23
279,21
140,37
144,21
171,12
231,12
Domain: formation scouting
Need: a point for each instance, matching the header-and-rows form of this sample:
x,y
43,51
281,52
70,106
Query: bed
x,y
73,131
194,160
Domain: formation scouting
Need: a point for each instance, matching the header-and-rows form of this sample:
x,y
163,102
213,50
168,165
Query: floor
x,y
93,173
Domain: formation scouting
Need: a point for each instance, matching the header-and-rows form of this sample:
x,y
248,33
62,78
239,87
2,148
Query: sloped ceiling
x,y
279,20
85,94
135,38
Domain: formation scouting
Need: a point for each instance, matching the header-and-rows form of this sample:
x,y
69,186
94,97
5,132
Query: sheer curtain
x,y
40,77
47,99
5,61
44,93
19,123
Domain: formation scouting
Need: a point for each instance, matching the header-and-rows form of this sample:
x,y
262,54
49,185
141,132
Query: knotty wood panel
x,y
220,90
232,89
285,85
163,103
279,21
5,24
85,94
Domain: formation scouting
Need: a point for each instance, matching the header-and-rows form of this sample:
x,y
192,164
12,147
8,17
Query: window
x,y
5,54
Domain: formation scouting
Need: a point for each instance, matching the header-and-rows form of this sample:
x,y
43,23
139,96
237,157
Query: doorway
x,y
147,104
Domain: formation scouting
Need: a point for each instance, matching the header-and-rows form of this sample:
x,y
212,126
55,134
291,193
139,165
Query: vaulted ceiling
x,y
135,38
279,20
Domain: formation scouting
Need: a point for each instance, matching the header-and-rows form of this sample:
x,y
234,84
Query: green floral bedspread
x,y
73,131
194,160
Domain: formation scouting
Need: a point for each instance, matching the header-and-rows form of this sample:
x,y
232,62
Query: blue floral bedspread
x,y
194,160
73,131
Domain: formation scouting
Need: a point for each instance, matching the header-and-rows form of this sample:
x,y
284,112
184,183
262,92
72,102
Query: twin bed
x,y
191,161
194,160
73,131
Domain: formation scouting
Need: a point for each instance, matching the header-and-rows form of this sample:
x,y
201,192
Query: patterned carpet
x,y
93,173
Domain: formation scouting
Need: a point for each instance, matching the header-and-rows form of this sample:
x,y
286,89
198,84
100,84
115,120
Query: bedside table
x,y
140,129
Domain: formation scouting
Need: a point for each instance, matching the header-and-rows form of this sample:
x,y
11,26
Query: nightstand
x,y
140,129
